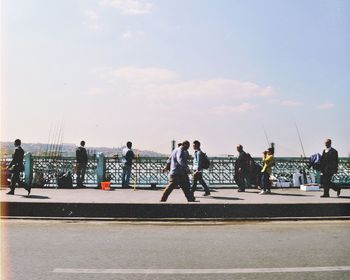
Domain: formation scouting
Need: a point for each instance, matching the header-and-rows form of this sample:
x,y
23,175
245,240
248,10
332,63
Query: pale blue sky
x,y
152,71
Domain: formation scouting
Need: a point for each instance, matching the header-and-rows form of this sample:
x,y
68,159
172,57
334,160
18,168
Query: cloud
x,y
129,7
92,15
290,103
227,110
152,86
92,20
160,83
95,91
326,106
128,35
136,76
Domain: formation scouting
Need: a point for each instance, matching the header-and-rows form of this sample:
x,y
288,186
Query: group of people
x,y
246,171
82,161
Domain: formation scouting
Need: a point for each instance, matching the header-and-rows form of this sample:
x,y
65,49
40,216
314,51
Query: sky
x,y
224,72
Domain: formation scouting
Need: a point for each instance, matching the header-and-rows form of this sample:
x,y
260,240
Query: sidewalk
x,y
144,204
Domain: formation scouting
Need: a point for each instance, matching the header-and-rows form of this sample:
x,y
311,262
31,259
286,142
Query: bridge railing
x,y
147,170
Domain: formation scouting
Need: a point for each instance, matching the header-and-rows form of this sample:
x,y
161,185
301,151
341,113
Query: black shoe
x,y
28,189
11,192
325,195
239,190
338,192
206,194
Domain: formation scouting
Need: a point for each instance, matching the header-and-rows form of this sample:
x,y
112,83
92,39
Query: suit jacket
x,y
81,156
329,161
241,162
17,160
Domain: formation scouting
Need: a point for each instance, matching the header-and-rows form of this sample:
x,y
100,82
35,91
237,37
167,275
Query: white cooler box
x,y
310,187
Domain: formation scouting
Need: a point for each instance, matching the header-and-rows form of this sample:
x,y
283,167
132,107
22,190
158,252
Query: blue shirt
x,y
197,160
178,162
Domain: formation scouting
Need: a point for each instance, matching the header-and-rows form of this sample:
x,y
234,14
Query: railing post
x,y
101,168
28,169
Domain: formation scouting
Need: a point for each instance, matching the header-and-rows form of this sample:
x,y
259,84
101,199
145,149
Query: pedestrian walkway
x,y
144,203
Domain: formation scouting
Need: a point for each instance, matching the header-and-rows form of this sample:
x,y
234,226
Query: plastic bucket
x,y
106,186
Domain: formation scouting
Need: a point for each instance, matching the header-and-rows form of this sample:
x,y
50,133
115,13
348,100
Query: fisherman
x,y
268,162
82,160
128,156
241,168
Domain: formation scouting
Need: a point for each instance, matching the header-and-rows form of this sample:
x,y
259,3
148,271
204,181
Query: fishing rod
x,y
267,138
48,141
58,140
301,142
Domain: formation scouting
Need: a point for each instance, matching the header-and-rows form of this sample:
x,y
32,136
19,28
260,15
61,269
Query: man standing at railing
x,y
329,166
179,171
82,160
241,168
268,162
128,156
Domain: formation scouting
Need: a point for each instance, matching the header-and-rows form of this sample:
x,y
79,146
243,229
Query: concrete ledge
x,y
175,210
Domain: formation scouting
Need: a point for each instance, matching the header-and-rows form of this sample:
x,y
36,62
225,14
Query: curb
x,y
180,211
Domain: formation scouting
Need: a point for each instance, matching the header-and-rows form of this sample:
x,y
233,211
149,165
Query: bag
x,y
315,162
205,161
64,180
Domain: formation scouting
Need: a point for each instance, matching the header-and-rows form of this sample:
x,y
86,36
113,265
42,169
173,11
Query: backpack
x,y
315,162
205,161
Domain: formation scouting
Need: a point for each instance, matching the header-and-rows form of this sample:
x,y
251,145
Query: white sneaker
x,y
262,192
268,191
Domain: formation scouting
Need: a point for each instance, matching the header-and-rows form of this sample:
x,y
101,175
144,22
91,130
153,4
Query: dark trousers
x,y
265,181
81,169
199,178
240,181
126,175
178,180
15,179
327,183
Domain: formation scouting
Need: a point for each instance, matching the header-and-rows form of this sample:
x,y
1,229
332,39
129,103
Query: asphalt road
x,y
115,250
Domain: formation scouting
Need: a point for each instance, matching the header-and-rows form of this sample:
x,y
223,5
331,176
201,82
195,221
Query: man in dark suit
x,y
16,166
329,166
241,169
82,160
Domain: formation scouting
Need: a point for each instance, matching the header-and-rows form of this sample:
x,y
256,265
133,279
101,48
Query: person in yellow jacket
x,y
268,163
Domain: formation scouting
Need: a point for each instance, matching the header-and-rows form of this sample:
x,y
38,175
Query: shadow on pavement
x,y
36,196
289,194
224,197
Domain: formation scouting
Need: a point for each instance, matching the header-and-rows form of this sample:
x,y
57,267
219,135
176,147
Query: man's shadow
x,y
33,196
288,194
223,197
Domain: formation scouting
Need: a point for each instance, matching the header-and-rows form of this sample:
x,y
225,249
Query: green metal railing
x,y
147,170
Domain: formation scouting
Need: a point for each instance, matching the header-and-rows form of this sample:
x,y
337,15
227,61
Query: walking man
x,y
16,166
128,156
329,166
179,171
82,160
198,169
241,168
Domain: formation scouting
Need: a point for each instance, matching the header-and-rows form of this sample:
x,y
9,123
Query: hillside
x,y
69,150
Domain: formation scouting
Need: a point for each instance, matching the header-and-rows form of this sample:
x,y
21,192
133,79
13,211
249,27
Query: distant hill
x,y
69,150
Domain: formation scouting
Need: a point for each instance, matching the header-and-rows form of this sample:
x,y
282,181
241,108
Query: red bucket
x,y
106,186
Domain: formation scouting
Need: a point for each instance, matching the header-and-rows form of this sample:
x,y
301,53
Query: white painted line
x,y
202,271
